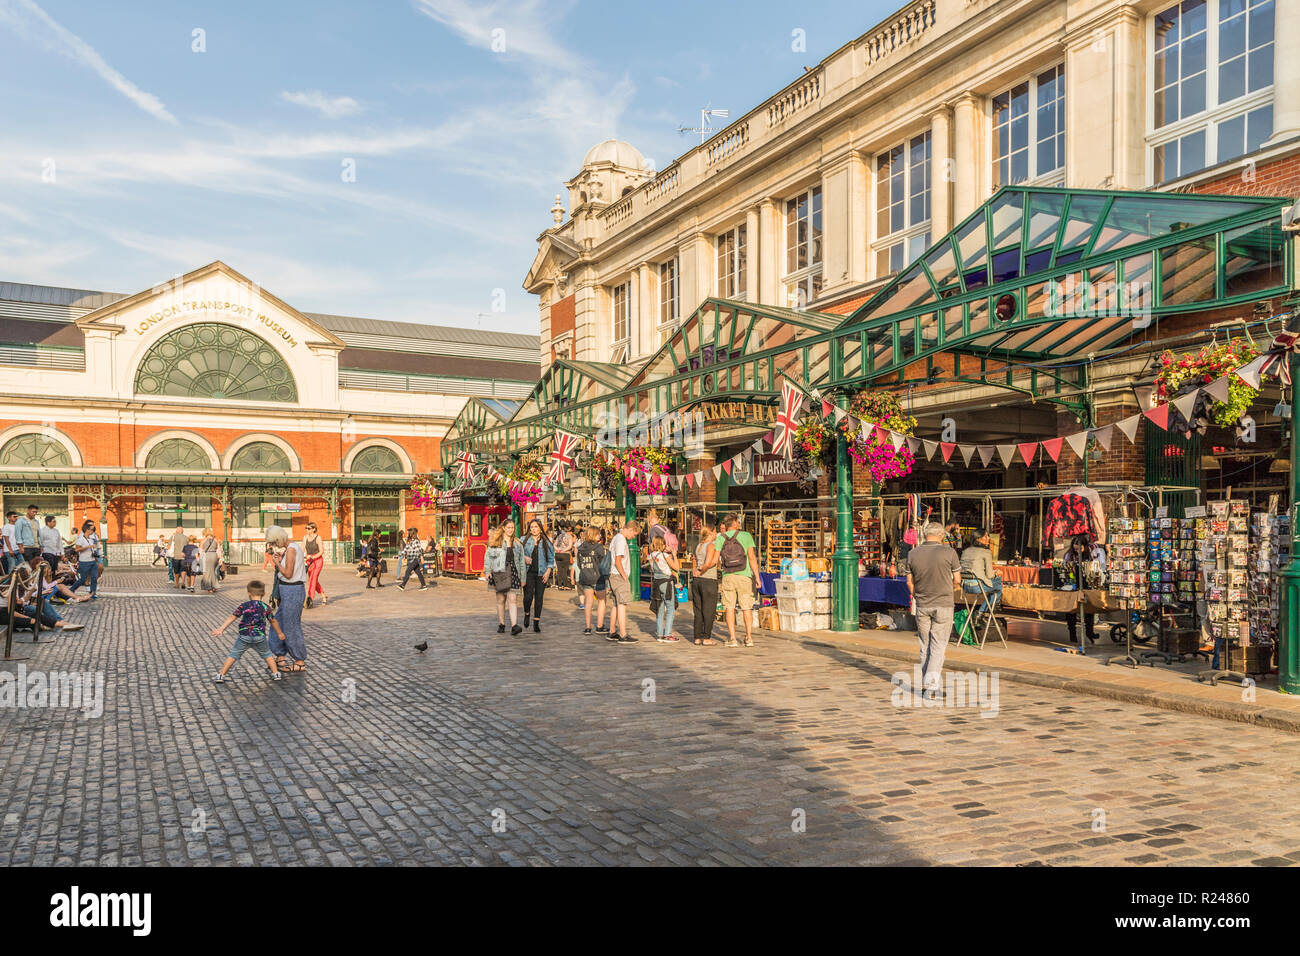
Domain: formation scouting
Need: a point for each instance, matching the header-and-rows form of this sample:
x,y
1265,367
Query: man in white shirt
x,y
10,555
620,583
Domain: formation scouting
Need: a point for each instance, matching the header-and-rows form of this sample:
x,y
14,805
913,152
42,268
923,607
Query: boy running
x,y
253,617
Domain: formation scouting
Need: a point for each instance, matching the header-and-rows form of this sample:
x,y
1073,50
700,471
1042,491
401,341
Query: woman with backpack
x,y
504,571
539,559
663,585
592,576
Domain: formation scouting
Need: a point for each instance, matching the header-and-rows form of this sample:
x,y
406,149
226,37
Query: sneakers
x,y
537,627
501,628
516,629
219,679
612,638
277,676
602,630
527,619
424,587
586,630
628,639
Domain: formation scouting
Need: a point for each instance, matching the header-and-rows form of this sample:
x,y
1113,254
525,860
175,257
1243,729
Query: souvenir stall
x,y
462,524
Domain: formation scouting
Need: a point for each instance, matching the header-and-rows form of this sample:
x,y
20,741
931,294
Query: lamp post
x,y
633,549
844,563
1288,655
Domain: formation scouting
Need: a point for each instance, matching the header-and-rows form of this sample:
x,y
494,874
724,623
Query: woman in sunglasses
x,y
311,545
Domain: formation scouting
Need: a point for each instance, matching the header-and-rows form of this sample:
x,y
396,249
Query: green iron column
x,y
844,563
1288,652
633,549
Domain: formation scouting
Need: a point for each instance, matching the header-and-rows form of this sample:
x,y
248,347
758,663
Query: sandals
x,y
295,668
732,644
749,642
708,641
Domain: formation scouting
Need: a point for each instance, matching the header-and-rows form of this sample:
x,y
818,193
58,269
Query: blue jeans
x,y
49,616
289,616
667,606
993,590
87,573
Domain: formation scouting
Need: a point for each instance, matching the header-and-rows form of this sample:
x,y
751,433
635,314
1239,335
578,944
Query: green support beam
x,y
1288,653
844,563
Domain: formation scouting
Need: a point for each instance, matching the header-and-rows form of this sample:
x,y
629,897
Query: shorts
x,y
736,589
251,642
620,591
178,566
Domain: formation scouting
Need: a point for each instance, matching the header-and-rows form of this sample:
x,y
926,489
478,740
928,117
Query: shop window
x,y
732,267
621,301
669,300
163,512
1029,130
803,248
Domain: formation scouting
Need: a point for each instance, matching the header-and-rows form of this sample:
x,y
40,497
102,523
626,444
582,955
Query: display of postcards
x,y
1236,579
1237,594
1237,612
1239,560
1237,526
1219,509
1167,588
1153,577
1218,579
1166,575
1215,594
1219,526
1239,543
1240,508
1217,612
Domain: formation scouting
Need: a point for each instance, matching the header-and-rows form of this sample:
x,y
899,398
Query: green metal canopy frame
x,y
1033,280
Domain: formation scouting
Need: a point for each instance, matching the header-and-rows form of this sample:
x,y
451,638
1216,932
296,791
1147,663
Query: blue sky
x,y
126,157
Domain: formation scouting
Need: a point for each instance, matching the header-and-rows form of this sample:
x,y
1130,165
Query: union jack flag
x,y
787,420
465,467
563,457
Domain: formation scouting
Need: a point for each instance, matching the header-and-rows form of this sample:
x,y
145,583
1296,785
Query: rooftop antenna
x,y
704,129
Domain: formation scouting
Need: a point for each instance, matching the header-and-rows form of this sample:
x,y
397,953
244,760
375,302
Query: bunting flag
x,y
865,431
1218,389
914,445
563,457
1007,453
1277,358
986,454
839,414
757,446
1129,426
717,472
1028,449
1078,443
1186,404
827,408
1159,416
728,464
465,467
1103,435
787,420
947,447
967,451
930,448
1053,448
1251,372
897,439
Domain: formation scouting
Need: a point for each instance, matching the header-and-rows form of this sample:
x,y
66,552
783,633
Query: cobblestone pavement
x,y
381,754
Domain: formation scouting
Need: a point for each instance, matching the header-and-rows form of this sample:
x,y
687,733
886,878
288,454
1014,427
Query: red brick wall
x,y
1281,177
1123,462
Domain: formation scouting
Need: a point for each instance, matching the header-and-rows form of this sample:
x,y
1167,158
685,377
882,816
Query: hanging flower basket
x,y
1180,374
642,471
877,454
525,472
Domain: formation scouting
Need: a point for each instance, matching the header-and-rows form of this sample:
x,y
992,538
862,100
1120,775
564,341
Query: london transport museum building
x,y
997,214
209,402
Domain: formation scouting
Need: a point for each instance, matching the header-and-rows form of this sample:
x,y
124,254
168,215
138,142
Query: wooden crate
x,y
1251,659
784,538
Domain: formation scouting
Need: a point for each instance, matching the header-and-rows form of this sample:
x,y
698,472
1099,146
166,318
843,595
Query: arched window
x,y
377,460
213,360
260,456
178,454
34,451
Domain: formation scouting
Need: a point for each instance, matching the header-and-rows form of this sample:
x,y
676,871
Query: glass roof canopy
x,y
1033,277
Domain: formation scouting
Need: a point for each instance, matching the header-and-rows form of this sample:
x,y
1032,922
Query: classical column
x,y
968,157
1286,73
768,260
941,172
844,563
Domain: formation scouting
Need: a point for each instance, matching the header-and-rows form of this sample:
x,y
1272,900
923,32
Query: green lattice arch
x,y
377,460
260,456
34,451
214,360
178,454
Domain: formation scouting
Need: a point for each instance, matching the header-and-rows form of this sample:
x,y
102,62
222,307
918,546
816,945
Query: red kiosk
x,y
463,522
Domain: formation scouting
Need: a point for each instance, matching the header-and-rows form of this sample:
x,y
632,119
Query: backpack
x,y
606,563
588,566
732,556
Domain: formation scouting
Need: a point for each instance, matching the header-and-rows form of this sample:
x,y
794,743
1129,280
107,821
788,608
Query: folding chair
x,y
979,604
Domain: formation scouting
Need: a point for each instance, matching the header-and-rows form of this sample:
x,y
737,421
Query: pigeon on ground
x,y
422,646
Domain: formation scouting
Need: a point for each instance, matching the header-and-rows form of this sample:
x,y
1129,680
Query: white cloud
x,y
517,27
80,50
330,107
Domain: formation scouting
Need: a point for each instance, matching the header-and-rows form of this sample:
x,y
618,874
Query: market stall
x,y
463,522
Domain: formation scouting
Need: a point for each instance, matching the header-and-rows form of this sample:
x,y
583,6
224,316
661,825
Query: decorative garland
x,y
877,453
524,473
640,471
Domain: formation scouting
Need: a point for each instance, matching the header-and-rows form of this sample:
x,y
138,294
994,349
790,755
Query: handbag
x,y
500,580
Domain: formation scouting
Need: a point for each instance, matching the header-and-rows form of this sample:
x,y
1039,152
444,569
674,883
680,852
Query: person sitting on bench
x,y
977,565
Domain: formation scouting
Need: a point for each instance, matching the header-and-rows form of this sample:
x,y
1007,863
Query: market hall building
x,y
1000,212
208,401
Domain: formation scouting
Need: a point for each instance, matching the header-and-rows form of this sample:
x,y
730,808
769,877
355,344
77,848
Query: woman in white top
x,y
87,545
291,577
663,576
160,549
